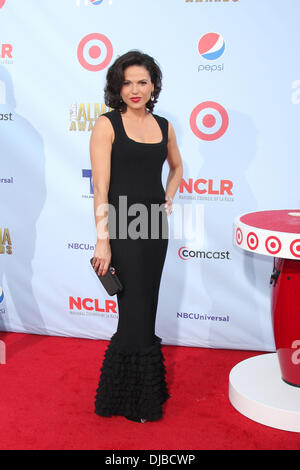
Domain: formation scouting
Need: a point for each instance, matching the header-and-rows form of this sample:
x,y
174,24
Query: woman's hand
x,y
102,257
168,205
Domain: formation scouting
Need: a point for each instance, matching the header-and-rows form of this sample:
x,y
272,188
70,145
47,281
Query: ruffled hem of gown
x,y
132,383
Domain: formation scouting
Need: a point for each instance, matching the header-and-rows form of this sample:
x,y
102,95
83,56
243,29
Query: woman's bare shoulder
x,y
103,126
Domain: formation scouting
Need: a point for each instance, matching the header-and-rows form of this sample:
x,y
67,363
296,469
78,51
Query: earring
x,y
152,97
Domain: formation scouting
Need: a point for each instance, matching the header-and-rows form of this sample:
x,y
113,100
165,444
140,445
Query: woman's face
x,y
136,84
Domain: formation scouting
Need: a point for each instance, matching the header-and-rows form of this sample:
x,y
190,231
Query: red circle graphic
x,y
209,120
273,245
95,52
250,237
294,248
239,236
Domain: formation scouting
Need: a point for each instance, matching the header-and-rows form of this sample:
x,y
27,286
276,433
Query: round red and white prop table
x,y
266,388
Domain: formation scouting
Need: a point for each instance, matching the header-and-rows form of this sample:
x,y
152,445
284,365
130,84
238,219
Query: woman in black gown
x,y
128,147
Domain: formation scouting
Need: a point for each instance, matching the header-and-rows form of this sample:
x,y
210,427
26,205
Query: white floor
x,y
257,391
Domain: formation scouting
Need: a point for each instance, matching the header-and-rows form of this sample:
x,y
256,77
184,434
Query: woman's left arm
x,y
176,169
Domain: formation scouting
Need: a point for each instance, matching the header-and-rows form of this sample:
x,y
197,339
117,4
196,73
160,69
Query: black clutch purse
x,y
110,280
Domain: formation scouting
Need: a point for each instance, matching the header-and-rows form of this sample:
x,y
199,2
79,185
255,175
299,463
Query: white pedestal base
x,y
257,390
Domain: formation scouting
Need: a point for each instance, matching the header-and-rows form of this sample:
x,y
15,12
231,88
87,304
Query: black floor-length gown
x,y
132,379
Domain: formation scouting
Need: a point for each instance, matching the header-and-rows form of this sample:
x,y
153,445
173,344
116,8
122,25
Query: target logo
x,y
209,121
273,245
211,46
239,236
252,241
95,52
2,3
295,248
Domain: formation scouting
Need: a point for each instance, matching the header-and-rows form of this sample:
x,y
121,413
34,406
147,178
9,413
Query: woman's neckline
x,y
135,141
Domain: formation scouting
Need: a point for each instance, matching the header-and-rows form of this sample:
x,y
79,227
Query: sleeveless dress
x,y
132,377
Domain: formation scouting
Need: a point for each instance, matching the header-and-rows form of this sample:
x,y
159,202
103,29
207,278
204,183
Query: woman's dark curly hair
x,y
115,78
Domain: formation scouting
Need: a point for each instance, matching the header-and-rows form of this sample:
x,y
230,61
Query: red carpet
x,y
47,401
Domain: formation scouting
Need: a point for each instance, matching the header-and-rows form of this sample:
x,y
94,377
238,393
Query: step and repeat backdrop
x,y
231,89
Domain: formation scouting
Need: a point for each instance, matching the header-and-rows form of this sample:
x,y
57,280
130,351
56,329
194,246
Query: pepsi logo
x,y
273,245
87,2
211,46
95,52
209,121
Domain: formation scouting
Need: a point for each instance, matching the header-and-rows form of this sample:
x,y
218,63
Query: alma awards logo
x,y
5,242
83,116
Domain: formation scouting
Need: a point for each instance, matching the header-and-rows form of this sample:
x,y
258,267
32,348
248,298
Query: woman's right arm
x,y
100,154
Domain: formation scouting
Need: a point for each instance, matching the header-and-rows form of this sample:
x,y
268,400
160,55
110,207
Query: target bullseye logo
x,y
295,248
211,46
239,236
273,245
95,52
2,3
252,241
209,120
